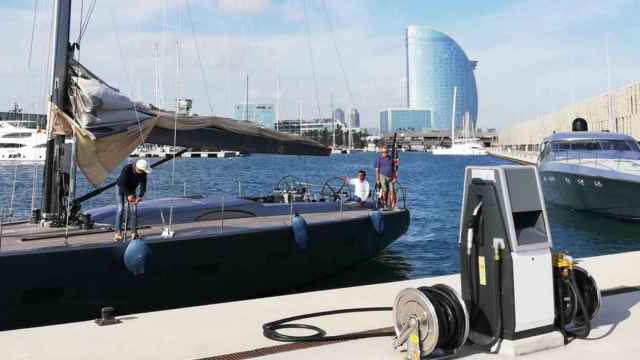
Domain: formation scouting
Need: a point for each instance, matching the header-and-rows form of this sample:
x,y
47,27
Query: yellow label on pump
x,y
482,272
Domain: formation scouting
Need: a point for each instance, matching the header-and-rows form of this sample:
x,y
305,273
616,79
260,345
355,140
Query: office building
x,y
338,114
293,126
354,117
261,114
403,119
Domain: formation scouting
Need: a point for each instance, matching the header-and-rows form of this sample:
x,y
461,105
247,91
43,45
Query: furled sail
x,y
108,126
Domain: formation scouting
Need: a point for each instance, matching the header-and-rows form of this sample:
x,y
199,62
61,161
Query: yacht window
x,y
41,145
10,145
634,146
585,146
617,145
19,135
560,146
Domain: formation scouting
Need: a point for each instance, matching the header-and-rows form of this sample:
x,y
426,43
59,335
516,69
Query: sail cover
x,y
108,126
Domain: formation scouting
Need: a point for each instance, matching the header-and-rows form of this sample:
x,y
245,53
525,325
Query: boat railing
x,y
403,196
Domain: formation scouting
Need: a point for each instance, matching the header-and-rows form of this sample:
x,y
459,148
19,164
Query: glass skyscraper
x,y
435,65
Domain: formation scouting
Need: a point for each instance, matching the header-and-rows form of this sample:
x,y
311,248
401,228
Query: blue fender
x,y
377,220
300,231
136,256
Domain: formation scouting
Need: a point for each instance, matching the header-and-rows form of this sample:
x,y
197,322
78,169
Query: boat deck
x,y
15,236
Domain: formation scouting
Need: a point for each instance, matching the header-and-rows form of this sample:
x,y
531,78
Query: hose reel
x,y
429,318
577,297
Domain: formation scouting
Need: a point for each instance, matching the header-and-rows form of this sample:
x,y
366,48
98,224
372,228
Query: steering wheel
x,y
335,187
286,183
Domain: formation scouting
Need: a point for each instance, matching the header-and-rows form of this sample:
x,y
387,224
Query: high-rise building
x,y
354,118
305,126
338,114
435,65
261,114
402,119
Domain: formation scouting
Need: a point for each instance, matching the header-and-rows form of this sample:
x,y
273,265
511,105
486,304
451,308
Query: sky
x,y
534,56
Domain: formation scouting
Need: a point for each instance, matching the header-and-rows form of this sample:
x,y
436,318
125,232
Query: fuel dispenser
x,y
505,255
513,287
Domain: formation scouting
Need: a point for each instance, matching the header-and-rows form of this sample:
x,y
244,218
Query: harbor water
x,y
434,192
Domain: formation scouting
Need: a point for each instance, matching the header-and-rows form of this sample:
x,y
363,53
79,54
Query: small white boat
x,y
462,148
466,145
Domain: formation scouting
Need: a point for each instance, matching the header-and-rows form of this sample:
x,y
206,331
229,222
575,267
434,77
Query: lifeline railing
x,y
403,192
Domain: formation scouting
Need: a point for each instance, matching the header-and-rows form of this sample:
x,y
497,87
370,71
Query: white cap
x,y
143,165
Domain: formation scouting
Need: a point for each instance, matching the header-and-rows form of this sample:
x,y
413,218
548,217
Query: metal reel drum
x,y
590,292
441,315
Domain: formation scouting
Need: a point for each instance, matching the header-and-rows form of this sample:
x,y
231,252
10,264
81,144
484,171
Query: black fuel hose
x,y
586,316
479,339
270,329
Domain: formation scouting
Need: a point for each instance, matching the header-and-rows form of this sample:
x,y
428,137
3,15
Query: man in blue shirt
x,y
384,174
132,176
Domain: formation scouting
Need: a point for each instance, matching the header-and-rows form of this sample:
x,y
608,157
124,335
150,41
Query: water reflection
x,y
588,234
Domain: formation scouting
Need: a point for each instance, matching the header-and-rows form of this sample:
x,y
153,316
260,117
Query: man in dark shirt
x,y
132,176
384,174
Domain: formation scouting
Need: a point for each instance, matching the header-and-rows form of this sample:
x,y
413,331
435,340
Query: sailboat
x,y
193,249
464,146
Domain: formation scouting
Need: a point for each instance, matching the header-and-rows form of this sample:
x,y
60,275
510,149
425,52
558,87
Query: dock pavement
x,y
234,329
520,157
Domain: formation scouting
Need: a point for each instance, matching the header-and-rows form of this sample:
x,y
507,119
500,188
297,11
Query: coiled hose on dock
x,y
271,329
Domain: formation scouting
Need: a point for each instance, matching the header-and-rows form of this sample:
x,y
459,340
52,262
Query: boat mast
x,y
246,101
277,102
156,74
350,119
51,206
453,114
333,120
300,109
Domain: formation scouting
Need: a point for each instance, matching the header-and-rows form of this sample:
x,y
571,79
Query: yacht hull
x,y
63,284
611,197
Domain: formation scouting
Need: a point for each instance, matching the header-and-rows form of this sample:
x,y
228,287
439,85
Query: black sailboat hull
x,y
67,284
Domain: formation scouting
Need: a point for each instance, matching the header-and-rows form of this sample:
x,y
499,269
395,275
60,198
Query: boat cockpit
x,y
289,189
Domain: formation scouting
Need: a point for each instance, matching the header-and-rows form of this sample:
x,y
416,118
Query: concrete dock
x,y
235,328
520,157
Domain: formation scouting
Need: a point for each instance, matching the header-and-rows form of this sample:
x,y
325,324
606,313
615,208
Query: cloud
x,y
533,56
243,6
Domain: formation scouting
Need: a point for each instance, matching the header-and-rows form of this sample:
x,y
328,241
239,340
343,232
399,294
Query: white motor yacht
x,y
462,147
21,144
